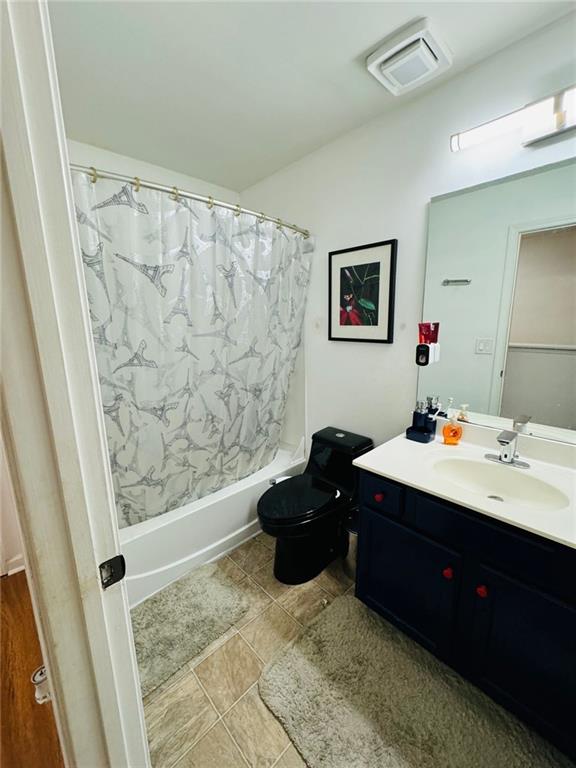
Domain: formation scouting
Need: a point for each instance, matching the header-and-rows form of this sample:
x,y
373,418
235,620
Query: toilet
x,y
306,513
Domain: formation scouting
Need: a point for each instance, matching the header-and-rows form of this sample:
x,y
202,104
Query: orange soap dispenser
x,y
452,432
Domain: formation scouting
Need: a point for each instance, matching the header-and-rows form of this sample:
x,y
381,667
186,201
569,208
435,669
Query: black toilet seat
x,y
300,499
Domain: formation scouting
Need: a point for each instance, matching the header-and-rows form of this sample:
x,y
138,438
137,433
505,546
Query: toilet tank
x,y
331,455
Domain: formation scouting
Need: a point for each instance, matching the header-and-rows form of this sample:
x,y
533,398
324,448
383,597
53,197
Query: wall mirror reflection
x,y
501,280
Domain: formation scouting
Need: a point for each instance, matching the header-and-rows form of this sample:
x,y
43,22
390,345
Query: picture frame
x,y
361,292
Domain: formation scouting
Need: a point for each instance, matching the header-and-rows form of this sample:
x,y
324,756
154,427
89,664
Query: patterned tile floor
x,y
210,714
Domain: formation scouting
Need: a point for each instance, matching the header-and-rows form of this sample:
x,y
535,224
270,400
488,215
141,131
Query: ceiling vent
x,y
409,58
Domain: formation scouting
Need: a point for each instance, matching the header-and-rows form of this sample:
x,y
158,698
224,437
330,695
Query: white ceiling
x,y
230,92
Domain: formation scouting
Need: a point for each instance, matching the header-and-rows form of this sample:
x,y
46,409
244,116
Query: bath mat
x,y
353,692
174,625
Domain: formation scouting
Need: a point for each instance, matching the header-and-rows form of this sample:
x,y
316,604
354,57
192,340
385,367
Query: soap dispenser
x,y
463,415
452,432
423,426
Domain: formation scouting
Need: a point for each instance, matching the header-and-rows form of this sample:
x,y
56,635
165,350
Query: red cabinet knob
x,y
379,497
482,591
448,573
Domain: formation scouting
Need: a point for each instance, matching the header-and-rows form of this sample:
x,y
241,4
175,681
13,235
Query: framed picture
x,y
361,284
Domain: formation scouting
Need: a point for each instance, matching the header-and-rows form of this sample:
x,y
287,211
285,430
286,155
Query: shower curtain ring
x,y
210,202
93,174
279,224
261,218
175,195
237,210
136,184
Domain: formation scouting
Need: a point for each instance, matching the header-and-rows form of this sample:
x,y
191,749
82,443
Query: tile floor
x,y
210,714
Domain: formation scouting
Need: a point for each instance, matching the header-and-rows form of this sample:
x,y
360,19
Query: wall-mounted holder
x,y
426,354
428,349
463,281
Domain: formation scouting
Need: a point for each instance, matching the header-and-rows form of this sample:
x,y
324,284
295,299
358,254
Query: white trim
x,y
54,424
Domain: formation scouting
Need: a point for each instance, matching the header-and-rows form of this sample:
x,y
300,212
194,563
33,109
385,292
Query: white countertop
x,y
412,464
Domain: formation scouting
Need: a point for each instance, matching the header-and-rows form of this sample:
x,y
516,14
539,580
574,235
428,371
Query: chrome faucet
x,y
508,440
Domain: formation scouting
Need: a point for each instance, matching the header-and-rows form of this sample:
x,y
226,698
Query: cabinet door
x,y
523,651
409,579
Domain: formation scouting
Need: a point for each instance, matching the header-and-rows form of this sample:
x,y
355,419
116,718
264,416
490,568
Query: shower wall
x,y
197,317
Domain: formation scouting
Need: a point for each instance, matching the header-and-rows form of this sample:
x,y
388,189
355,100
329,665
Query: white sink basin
x,y
501,484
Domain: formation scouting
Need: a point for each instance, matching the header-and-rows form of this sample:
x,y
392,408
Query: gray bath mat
x,y
174,625
354,692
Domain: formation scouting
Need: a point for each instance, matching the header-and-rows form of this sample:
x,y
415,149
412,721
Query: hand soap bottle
x,y
452,432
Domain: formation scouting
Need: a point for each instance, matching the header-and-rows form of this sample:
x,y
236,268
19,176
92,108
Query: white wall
x,y
11,553
544,310
102,159
375,183
541,383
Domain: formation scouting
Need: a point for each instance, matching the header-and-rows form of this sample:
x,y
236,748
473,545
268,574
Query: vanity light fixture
x,y
535,122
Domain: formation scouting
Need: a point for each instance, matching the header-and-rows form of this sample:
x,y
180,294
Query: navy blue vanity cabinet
x,y
409,579
496,603
521,644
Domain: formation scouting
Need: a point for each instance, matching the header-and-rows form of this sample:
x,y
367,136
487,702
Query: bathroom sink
x,y
501,484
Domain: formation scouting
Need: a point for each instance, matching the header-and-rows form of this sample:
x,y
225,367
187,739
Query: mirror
x,y
501,281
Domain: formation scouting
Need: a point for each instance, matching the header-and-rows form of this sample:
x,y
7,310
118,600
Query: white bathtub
x,y
161,550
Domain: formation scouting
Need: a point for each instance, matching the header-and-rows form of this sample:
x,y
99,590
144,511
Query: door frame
x,y
52,420
511,258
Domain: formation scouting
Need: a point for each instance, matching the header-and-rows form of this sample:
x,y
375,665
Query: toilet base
x,y
302,558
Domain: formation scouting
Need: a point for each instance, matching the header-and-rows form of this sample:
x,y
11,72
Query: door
x,y
52,420
522,646
409,579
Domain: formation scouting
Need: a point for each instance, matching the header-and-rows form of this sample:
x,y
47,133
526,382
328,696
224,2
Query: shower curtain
x,y
197,317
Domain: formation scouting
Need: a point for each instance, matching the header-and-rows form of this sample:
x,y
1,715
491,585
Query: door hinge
x,y
112,570
41,688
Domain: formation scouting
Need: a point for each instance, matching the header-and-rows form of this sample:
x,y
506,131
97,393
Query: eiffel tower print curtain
x,y
196,315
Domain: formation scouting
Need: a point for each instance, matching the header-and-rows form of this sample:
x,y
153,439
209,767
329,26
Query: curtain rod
x,y
176,193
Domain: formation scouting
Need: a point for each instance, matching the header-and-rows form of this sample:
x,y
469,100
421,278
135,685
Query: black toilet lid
x,y
298,497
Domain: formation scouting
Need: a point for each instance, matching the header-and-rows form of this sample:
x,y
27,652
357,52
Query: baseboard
x,y
15,565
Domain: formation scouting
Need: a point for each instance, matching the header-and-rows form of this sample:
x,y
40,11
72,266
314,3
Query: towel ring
x,y
93,174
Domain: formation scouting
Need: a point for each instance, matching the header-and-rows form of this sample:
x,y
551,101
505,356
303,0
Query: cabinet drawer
x,y
381,494
533,559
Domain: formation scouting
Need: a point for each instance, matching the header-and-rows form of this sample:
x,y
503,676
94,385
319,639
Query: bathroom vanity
x,y
485,582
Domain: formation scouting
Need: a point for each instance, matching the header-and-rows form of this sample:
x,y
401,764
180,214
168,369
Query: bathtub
x,y
160,550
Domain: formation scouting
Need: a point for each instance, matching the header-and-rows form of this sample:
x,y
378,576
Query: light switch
x,y
484,347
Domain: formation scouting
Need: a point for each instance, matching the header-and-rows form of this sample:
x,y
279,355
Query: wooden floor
x,y
28,731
